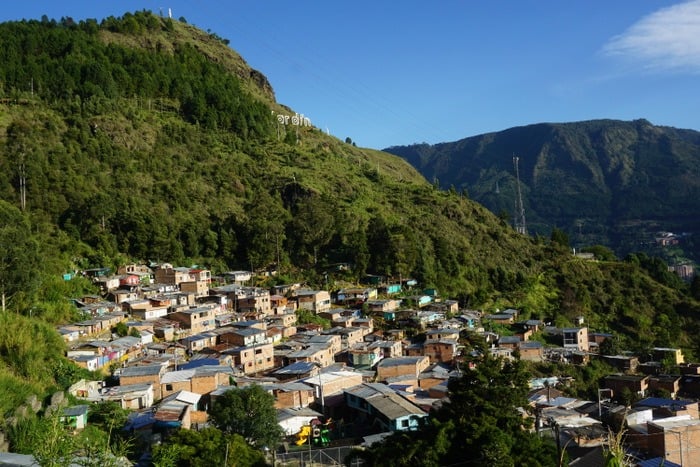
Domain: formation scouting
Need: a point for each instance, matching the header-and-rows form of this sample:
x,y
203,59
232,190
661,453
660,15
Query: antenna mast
x,y
519,216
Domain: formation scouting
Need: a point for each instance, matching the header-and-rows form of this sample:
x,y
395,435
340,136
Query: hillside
x,y
609,182
144,139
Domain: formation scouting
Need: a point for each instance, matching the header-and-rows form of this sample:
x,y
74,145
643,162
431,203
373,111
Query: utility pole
x,y
519,216
22,182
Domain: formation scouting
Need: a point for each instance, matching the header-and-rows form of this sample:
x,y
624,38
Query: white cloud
x,y
666,40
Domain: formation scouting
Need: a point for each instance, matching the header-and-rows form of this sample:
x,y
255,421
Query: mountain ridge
x,y
596,173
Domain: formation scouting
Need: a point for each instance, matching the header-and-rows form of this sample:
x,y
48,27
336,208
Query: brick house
x,y
253,359
196,320
290,395
637,384
348,336
167,274
575,338
669,383
316,301
201,380
389,348
675,440
382,306
531,351
143,374
440,350
401,366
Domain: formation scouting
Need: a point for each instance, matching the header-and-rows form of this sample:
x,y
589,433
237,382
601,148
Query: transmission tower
x,y
519,216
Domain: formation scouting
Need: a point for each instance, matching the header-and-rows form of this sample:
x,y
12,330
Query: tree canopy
x,y
249,412
204,448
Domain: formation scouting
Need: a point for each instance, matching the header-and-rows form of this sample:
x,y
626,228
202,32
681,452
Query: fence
x,y
331,456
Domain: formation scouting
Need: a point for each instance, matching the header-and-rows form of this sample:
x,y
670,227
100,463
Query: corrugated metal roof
x,y
367,390
171,411
177,376
394,406
145,370
75,411
198,363
287,413
212,369
286,387
116,391
399,361
296,368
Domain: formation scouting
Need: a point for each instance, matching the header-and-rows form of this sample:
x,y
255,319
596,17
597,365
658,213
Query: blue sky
x,y
392,73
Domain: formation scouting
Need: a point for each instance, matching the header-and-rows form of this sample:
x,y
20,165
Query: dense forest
x,y
142,138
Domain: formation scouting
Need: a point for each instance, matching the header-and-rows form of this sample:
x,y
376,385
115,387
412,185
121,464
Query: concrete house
x,y
201,380
500,318
329,385
319,353
75,417
255,300
238,277
196,320
291,420
167,274
575,339
675,440
443,333
253,359
364,355
348,336
131,396
388,349
143,374
382,306
637,384
531,351
242,337
146,309
355,295
440,350
290,395
378,405
316,301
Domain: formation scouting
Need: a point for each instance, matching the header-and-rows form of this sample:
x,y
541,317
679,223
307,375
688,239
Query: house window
x,y
404,423
168,387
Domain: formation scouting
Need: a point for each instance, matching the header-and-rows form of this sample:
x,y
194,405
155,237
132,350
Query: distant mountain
x,y
602,181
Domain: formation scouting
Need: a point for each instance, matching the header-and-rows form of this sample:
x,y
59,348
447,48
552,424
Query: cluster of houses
x,y
657,430
193,337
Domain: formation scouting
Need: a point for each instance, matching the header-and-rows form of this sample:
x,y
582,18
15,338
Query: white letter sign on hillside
x,y
296,119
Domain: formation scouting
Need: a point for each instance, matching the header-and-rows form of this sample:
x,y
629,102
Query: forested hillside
x,y
604,182
142,138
